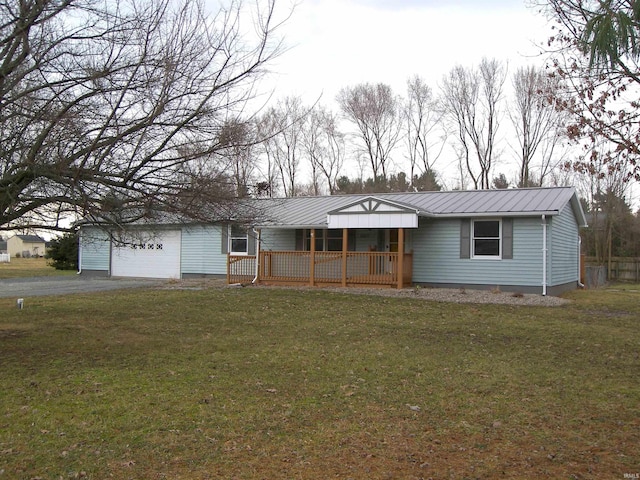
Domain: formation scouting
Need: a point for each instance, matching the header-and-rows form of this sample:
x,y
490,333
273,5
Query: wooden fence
x,y
622,269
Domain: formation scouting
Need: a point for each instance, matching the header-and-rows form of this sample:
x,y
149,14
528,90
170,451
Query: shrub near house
x,y
63,252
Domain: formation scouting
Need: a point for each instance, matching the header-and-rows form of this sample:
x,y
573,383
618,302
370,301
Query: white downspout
x,y
258,233
79,252
580,284
544,255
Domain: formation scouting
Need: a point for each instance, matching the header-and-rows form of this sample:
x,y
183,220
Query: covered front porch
x,y
326,254
322,268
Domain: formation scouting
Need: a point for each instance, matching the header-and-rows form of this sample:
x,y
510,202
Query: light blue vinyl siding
x,y
278,240
436,250
563,253
202,251
365,239
95,249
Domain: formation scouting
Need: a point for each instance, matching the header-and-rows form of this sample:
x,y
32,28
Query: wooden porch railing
x,y
329,268
240,268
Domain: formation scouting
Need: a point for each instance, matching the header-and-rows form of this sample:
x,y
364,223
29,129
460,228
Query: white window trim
x,y
232,237
473,238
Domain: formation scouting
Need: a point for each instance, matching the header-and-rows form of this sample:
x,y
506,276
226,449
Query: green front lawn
x,y
30,267
275,383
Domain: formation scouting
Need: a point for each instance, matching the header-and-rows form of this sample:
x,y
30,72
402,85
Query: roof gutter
x,y
495,214
290,227
424,214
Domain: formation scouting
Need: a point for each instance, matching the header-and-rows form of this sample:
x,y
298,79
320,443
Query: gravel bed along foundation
x,y
425,293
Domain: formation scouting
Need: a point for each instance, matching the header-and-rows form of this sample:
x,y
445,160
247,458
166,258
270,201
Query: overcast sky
x,y
334,44
338,43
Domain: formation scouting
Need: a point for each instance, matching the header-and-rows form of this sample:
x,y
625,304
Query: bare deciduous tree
x,y
471,100
283,125
104,104
331,165
539,124
268,172
238,142
313,147
374,110
325,148
606,195
423,132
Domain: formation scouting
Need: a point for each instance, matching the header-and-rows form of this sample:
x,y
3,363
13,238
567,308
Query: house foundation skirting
x,y
94,273
187,276
553,290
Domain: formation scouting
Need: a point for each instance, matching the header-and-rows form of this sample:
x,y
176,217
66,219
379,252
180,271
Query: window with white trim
x,y
486,239
238,240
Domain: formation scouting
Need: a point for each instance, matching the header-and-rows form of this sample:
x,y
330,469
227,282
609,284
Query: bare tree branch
x,y
471,101
374,110
103,105
596,50
423,127
539,124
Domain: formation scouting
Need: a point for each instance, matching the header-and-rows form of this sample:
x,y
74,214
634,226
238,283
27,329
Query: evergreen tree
x,y
63,252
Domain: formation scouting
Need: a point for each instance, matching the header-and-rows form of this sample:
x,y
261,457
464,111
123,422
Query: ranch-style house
x,y
524,240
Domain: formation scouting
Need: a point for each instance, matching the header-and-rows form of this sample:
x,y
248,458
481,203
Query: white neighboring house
x,y
26,246
4,256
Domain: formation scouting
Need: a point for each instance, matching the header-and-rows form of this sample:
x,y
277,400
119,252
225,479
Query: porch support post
x,y
400,258
345,246
312,258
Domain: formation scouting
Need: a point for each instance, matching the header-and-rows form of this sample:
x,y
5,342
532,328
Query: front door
x,y
391,240
391,246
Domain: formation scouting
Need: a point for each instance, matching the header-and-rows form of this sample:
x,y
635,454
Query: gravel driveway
x,y
63,285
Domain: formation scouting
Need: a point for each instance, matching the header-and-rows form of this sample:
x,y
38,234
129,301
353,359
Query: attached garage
x,y
154,257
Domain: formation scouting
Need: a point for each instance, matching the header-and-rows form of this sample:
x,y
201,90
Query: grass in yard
x,y
30,267
276,383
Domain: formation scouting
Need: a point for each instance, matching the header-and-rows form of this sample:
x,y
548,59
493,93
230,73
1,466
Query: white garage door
x,y
155,257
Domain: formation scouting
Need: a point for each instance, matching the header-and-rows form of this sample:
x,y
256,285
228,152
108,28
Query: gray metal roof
x,y
387,201
31,238
311,212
